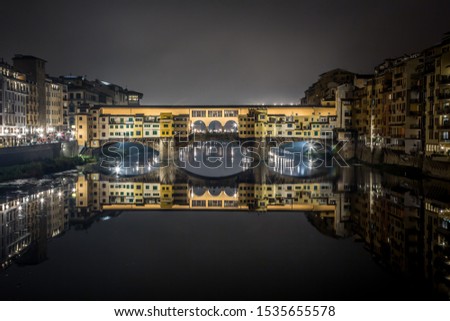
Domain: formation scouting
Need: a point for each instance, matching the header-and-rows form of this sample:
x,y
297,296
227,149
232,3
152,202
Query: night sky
x,y
217,52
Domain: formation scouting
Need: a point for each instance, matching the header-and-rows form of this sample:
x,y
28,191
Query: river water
x,y
260,233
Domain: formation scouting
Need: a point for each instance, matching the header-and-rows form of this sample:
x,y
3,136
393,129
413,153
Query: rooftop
x,y
27,57
212,106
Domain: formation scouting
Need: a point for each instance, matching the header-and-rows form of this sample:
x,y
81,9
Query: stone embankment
x,y
380,157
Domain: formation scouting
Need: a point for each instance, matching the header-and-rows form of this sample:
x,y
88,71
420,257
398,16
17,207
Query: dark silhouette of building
x,y
34,68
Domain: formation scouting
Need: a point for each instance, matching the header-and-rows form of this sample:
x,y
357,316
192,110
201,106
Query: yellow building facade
x,y
109,123
54,109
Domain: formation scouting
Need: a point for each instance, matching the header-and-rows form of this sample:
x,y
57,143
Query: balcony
x,y
397,135
398,146
414,113
397,123
444,126
445,81
443,96
414,126
443,110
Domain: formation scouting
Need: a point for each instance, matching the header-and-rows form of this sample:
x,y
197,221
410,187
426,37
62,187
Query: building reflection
x,y
28,221
323,198
437,235
404,223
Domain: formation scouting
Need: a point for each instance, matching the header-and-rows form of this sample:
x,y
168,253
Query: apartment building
x,y
34,69
55,106
14,93
82,92
436,92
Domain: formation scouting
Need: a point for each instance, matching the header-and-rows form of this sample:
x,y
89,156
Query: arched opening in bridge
x,y
215,190
230,127
231,191
198,190
199,127
215,127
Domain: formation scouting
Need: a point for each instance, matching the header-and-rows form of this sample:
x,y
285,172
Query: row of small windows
x,y
215,113
215,203
289,133
128,186
280,187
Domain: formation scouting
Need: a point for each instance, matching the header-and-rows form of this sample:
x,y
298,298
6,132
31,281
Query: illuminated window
x,y
214,113
198,113
230,113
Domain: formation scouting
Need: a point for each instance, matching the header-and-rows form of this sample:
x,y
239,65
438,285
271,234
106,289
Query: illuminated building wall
x,y
33,109
404,117
436,83
55,105
106,123
14,92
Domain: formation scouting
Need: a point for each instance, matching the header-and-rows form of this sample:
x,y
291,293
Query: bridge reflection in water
x,y
402,222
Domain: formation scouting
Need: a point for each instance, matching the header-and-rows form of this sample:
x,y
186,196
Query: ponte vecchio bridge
x,y
106,123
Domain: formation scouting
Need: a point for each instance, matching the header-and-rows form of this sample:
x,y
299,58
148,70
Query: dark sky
x,y
213,52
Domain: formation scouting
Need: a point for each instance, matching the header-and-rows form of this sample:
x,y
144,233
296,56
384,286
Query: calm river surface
x,y
352,233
